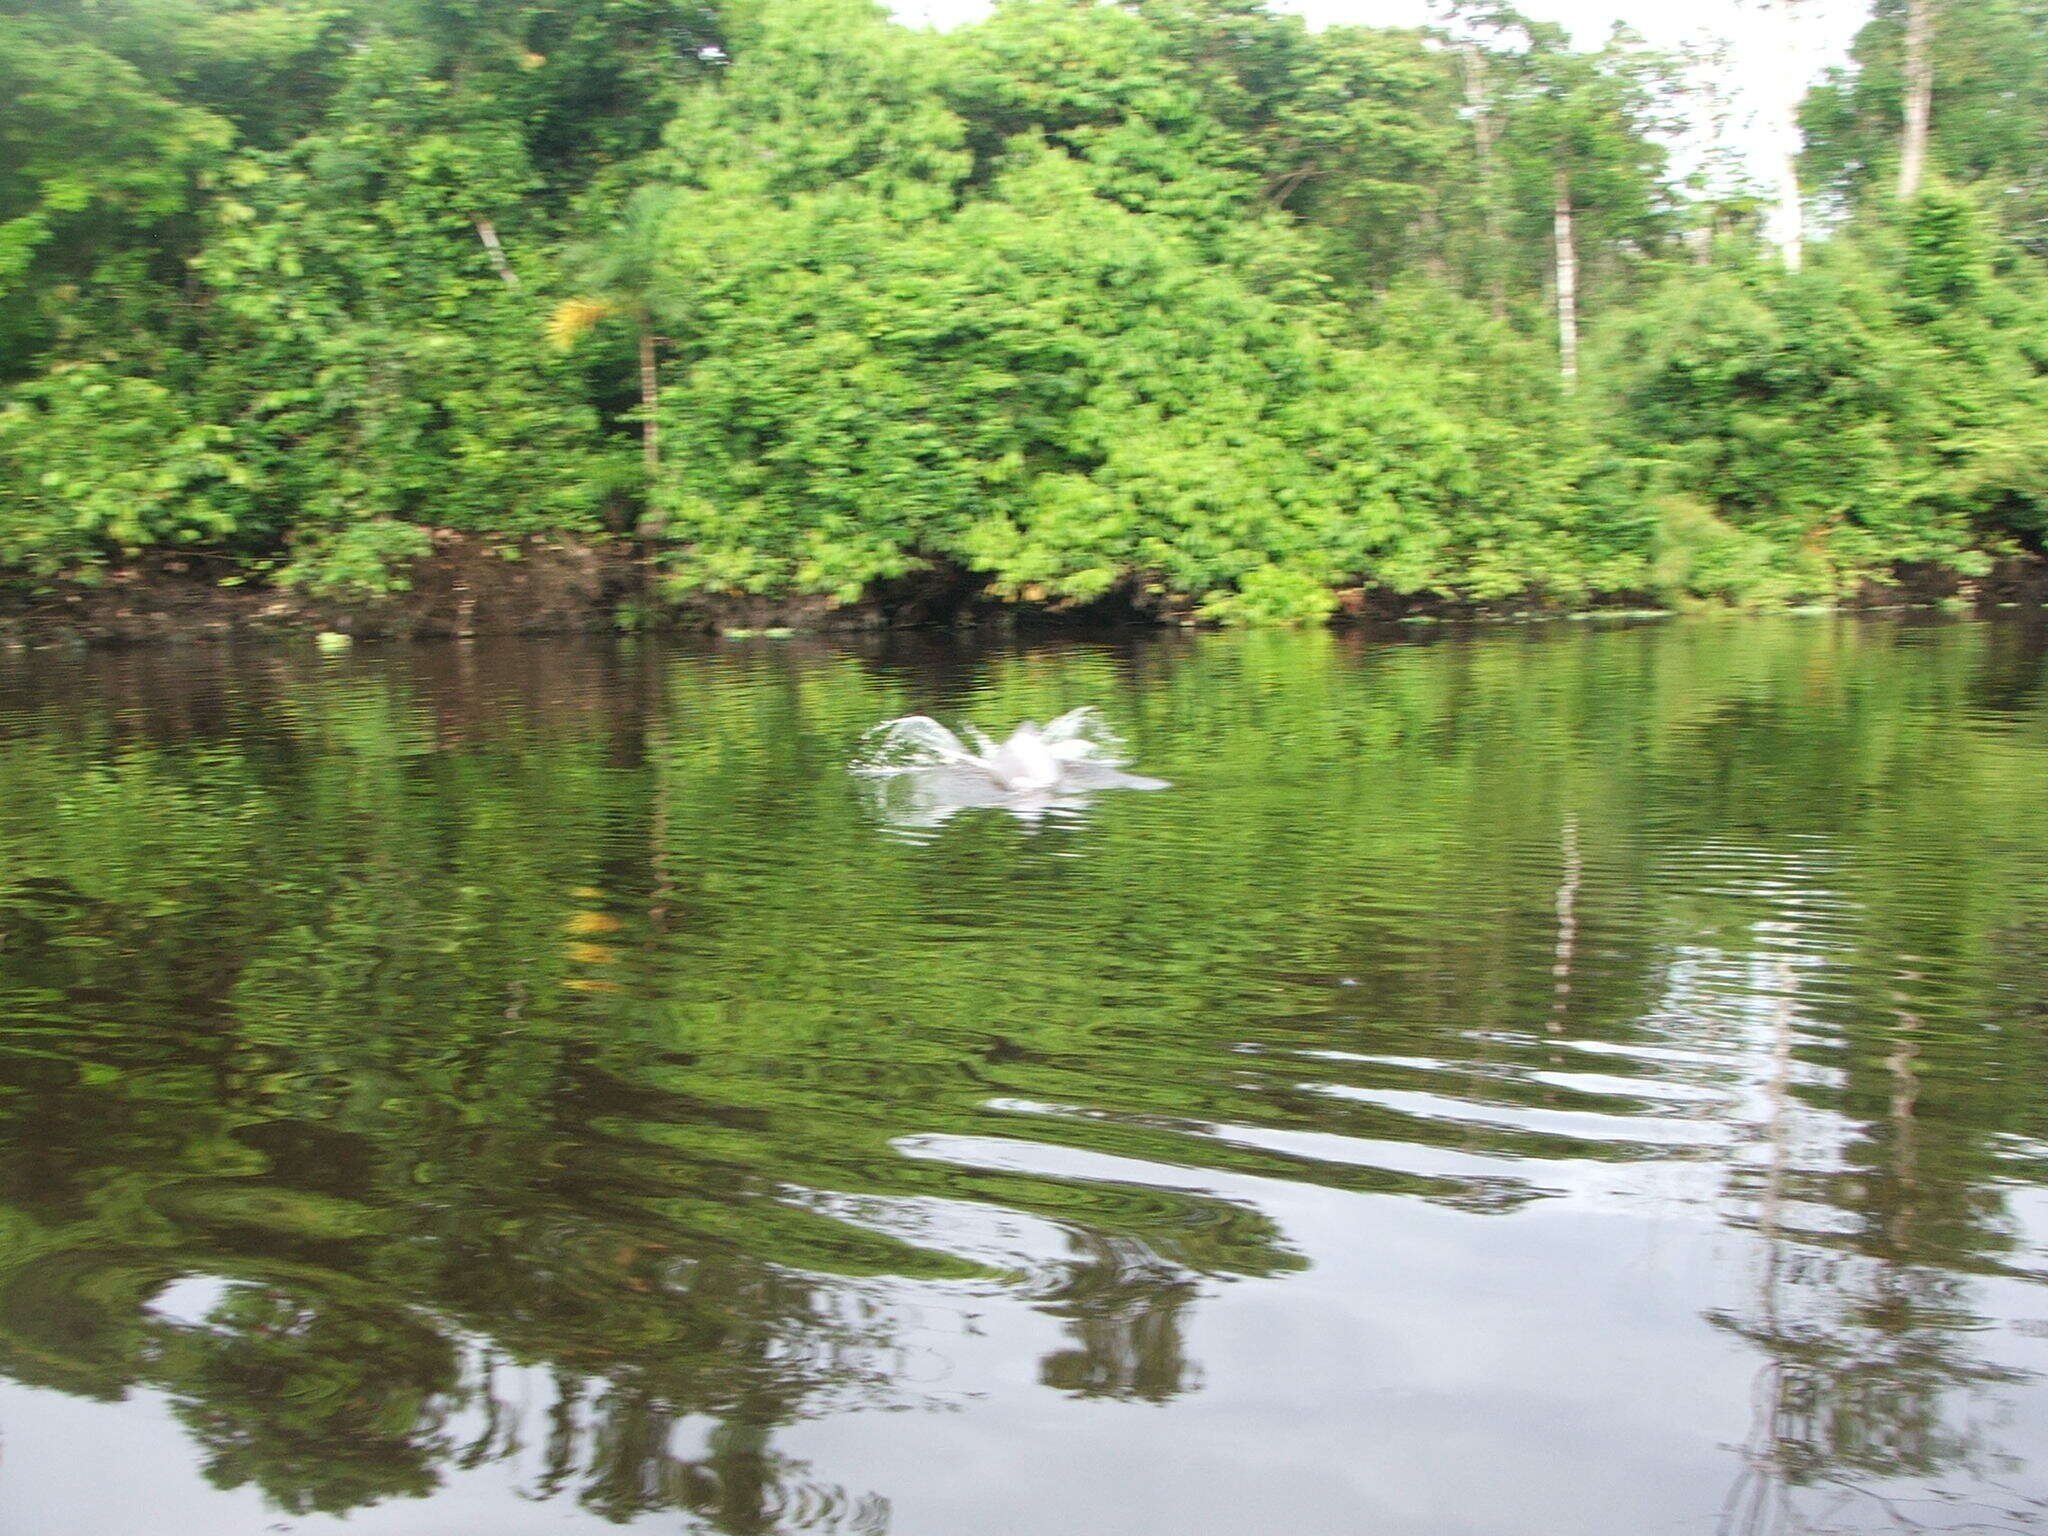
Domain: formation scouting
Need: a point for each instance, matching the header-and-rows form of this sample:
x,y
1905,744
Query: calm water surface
x,y
1548,1083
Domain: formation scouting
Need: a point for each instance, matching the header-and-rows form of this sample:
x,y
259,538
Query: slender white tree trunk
x,y
1788,225
1791,205
1919,96
1567,286
487,232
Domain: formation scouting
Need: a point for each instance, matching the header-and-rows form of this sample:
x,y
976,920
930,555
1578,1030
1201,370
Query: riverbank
x,y
469,588
464,587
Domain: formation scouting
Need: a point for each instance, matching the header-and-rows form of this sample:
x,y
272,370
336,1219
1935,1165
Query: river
x,y
1526,1081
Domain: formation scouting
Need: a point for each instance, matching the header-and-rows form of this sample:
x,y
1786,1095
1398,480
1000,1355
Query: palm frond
x,y
576,318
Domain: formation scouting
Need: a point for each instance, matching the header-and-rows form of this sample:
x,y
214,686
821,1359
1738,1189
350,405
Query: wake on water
x,y
923,773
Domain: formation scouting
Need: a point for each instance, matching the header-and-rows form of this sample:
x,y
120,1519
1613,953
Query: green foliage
x,y
1174,302
93,161
401,375
1990,110
100,464
1697,556
359,559
1273,594
1880,406
1593,126
1037,377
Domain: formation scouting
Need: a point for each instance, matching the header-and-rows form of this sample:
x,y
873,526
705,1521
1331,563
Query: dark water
x,y
1577,1081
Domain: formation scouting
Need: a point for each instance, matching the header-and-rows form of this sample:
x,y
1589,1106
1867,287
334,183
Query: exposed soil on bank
x,y
562,587
462,588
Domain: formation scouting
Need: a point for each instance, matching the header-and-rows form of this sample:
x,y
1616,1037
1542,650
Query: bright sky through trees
x,y
1773,49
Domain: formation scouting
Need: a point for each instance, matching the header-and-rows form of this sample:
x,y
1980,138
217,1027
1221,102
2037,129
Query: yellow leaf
x,y
574,319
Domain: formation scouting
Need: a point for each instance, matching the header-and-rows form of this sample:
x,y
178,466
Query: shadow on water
x,y
1580,1080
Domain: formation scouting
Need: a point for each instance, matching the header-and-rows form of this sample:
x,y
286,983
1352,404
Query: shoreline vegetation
x,y
425,317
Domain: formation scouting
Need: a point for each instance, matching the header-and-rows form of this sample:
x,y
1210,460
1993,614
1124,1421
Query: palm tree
x,y
619,277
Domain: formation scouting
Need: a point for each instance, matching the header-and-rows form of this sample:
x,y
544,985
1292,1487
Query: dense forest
x,y
1172,304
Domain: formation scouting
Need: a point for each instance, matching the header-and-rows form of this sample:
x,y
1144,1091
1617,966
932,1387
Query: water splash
x,y
922,773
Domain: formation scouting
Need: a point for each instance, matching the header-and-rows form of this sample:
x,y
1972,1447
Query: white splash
x,y
924,773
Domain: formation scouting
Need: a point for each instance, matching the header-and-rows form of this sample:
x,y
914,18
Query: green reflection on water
x,y
472,1009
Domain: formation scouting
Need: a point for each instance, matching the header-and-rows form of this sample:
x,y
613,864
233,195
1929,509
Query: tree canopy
x,y
1171,302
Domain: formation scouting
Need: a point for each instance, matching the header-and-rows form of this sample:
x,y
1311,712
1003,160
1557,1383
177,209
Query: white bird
x,y
926,773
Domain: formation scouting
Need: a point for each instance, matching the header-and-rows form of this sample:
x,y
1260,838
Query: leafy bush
x,y
366,559
98,464
1029,378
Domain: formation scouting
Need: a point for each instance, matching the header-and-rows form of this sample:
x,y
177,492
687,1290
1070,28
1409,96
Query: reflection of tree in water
x,y
1864,1348
329,1394
325,1407
376,1199
618,1446
334,1370
1862,1361
1125,1310
470,1043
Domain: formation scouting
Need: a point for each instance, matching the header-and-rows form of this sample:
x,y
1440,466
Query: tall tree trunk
x,y
651,522
1791,214
487,232
1791,206
1480,104
1919,96
650,405
1567,286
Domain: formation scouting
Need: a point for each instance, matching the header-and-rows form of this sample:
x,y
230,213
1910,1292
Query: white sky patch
x,y
1769,54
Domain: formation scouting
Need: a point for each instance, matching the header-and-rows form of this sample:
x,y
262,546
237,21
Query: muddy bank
x,y
465,587
564,587
462,588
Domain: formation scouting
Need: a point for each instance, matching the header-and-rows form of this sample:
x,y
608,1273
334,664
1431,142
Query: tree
x,y
1582,144
1919,97
1479,111
380,376
97,165
1791,200
1985,79
619,274
1175,303
1881,406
